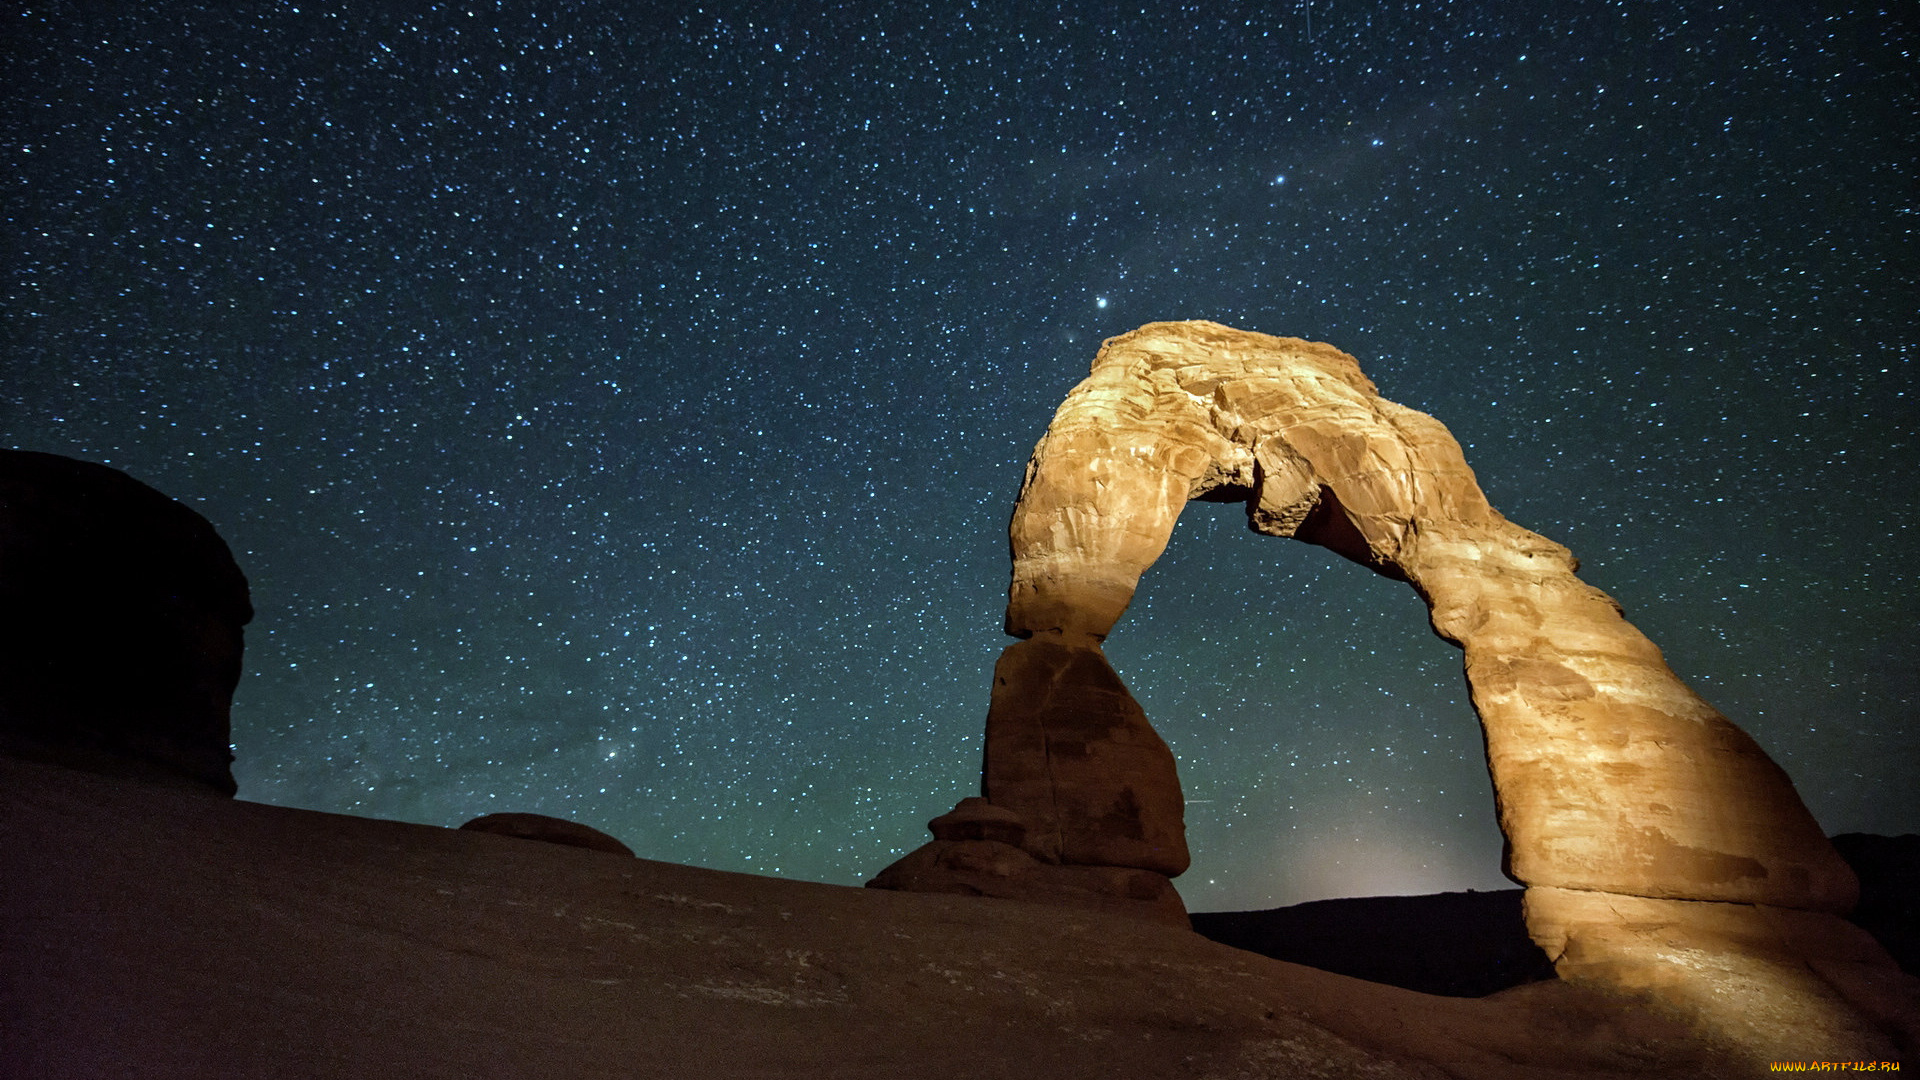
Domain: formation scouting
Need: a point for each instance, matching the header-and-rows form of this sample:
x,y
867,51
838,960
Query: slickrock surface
x,y
550,830
120,624
151,932
1613,777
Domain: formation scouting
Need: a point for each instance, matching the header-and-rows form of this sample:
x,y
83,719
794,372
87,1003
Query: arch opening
x,y
1323,736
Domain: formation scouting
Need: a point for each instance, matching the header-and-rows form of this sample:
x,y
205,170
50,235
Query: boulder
x,y
550,830
121,643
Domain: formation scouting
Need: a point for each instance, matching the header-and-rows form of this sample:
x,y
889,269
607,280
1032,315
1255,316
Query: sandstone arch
x,y
1640,819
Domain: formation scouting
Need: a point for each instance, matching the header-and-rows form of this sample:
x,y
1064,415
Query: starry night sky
x,y
617,408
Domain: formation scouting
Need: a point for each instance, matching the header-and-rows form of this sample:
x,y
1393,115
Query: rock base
x,y
996,868
1768,982
980,849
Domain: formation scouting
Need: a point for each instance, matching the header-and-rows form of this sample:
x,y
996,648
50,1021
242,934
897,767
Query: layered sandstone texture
x,y
1613,776
120,646
1614,779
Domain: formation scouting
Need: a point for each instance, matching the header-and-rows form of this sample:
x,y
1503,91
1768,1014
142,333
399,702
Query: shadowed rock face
x,y
121,637
1072,754
1613,778
1889,908
1082,802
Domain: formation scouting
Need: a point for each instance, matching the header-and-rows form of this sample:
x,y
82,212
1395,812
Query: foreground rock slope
x,y
151,932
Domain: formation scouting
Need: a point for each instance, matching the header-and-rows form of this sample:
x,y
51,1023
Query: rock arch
x,y
1618,788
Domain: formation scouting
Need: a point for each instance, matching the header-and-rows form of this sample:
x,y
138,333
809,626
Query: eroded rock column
x,y
1081,803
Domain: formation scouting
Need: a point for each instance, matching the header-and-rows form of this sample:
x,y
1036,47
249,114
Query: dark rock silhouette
x,y
121,639
551,830
1468,944
1889,871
